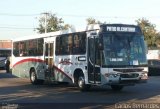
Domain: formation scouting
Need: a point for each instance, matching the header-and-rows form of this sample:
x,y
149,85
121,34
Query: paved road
x,y
19,91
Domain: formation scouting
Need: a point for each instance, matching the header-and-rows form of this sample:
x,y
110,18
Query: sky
x,y
18,18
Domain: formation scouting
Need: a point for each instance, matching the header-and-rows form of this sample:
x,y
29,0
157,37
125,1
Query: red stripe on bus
x,y
59,70
65,62
28,59
40,60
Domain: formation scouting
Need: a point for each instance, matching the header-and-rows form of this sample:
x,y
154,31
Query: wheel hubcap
x,y
32,76
81,81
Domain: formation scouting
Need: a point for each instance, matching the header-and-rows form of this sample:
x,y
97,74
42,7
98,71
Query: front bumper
x,y
127,81
132,82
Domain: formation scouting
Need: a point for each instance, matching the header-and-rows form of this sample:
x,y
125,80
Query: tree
x,y
92,21
53,23
158,40
149,31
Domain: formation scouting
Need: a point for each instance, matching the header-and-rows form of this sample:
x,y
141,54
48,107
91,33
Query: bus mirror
x,y
100,46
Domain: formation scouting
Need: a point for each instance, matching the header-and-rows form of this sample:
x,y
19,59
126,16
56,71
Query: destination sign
x,y
120,29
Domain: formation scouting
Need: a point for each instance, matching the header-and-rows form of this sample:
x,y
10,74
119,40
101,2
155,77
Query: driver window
x,y
94,52
91,49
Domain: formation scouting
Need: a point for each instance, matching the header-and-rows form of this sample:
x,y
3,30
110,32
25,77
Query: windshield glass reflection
x,y
124,49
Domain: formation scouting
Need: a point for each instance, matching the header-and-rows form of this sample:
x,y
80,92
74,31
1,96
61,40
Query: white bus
x,y
4,54
106,54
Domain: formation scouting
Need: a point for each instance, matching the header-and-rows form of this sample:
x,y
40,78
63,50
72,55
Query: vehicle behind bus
x,y
4,54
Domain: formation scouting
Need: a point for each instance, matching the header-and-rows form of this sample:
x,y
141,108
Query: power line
x,y
64,15
125,17
23,15
74,15
16,27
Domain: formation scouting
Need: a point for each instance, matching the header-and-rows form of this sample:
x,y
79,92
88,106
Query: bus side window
x,y
58,48
64,44
21,53
79,43
40,47
82,42
76,44
16,49
70,44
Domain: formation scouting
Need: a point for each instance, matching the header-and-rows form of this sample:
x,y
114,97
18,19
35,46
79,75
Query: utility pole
x,y
46,14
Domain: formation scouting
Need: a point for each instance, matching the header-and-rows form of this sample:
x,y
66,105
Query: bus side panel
x,y
67,66
23,66
62,69
20,70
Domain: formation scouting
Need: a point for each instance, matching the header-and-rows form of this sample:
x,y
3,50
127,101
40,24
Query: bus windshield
x,y
124,49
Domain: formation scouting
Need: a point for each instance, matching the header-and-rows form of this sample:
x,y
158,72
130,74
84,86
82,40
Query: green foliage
x,y
149,32
92,21
53,23
158,40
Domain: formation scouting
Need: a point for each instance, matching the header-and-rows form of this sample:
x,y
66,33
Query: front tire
x,y
81,84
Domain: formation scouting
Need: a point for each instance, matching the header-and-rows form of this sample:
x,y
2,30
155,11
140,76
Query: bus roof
x,y
71,30
90,27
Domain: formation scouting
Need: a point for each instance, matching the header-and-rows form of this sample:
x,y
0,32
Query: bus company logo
x,y
65,61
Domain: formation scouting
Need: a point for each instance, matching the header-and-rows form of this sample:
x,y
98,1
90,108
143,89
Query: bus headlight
x,y
144,75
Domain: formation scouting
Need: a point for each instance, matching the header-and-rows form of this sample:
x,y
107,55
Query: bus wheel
x,y
81,84
116,87
33,77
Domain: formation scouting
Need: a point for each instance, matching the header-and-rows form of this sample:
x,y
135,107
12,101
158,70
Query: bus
x,y
4,54
101,54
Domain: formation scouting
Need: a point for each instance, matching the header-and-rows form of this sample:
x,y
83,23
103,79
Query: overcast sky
x,y
20,17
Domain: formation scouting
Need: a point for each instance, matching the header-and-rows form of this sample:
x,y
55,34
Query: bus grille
x,y
129,75
129,70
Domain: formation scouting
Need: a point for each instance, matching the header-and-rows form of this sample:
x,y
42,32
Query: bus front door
x,y
93,61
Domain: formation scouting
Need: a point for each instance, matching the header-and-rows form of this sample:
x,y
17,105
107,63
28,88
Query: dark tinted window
x,y
5,53
71,44
154,63
28,48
